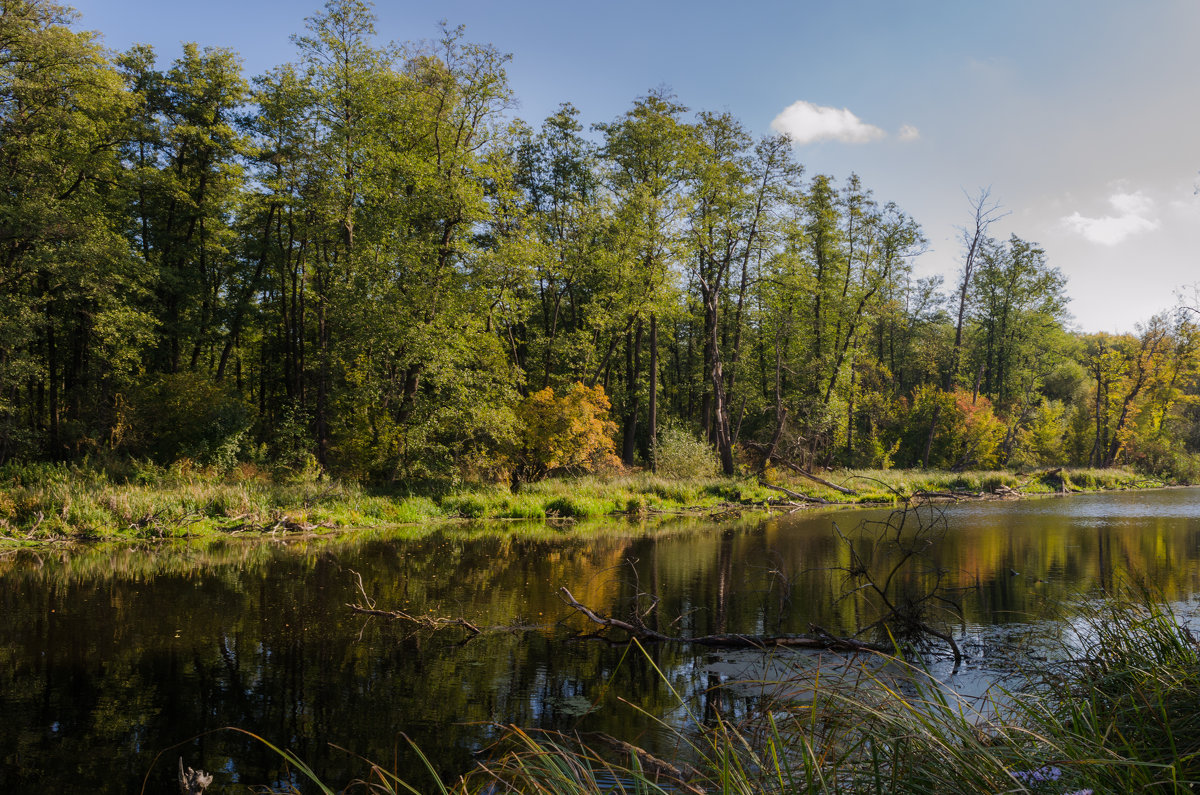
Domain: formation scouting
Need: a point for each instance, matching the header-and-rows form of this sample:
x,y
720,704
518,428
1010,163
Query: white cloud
x,y
1135,214
806,123
908,133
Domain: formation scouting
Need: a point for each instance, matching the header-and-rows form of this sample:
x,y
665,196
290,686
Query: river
x,y
116,660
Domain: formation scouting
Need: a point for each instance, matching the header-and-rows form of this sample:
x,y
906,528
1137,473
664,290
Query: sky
x,y
1080,116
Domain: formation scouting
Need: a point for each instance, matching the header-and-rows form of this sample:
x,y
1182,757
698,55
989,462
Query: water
x,y
114,661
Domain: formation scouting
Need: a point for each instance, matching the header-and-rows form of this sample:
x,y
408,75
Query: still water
x,y
114,661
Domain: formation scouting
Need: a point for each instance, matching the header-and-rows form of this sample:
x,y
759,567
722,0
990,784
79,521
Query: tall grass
x,y
139,500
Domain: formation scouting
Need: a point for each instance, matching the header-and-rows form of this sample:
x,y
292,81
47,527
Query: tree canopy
x,y
363,258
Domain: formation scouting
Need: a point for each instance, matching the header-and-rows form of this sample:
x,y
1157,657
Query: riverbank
x,y
47,503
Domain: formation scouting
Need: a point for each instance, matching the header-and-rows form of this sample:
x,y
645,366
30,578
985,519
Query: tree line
x,y
363,261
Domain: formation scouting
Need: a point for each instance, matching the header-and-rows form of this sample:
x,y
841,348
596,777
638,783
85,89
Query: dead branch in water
x,y
425,622
732,641
192,782
881,555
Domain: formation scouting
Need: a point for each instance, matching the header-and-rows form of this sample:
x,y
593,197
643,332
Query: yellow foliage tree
x,y
570,432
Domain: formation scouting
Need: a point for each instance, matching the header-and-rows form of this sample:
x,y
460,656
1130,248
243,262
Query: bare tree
x,y
986,212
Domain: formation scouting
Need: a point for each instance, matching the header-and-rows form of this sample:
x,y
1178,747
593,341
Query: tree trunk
x,y
633,360
720,411
652,418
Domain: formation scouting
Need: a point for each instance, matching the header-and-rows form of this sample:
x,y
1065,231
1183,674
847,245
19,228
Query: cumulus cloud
x,y
806,123
1134,215
908,133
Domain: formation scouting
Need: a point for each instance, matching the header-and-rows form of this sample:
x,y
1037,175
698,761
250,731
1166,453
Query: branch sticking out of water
x,y
824,640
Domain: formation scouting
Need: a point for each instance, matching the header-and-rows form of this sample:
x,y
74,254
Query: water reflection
x,y
110,655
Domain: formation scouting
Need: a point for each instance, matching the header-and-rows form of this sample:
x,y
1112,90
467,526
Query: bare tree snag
x,y
774,440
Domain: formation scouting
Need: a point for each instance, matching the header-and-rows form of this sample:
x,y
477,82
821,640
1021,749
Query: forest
x,y
364,263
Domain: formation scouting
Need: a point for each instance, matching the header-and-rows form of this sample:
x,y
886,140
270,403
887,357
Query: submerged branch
x,y
824,640
425,622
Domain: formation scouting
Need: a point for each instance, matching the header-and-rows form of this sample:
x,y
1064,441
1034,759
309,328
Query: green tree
x,y
68,331
644,160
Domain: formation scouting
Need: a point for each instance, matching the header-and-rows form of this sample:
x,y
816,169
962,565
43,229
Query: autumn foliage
x,y
567,433
967,432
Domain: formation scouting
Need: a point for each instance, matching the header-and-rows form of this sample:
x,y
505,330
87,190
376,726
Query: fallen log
x,y
947,495
730,641
801,470
795,495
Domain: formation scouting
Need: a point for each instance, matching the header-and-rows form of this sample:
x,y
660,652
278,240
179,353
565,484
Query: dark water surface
x,y
110,656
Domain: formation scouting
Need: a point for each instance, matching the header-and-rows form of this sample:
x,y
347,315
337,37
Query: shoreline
x,y
69,506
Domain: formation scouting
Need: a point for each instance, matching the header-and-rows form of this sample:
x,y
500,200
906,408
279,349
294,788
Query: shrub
x,y
680,455
967,434
568,433
188,416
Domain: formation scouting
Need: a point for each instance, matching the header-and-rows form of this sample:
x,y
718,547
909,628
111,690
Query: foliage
x,y
186,416
380,261
680,455
966,431
567,433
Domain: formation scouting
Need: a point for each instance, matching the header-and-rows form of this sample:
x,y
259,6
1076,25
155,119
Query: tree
x,y
184,160
67,328
645,153
570,432
986,211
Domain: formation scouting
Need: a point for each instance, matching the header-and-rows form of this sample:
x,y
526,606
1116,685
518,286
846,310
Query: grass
x,y
1117,715
40,502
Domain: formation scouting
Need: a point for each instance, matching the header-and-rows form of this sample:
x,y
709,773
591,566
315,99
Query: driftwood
x,y
425,622
795,495
769,451
192,782
824,640
278,524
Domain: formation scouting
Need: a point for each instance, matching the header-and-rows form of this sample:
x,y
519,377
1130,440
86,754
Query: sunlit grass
x,y
142,501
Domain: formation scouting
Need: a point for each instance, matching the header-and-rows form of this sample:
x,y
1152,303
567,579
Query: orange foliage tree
x,y
968,432
570,432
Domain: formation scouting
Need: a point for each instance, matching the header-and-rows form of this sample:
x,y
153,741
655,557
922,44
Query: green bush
x,y
681,455
188,416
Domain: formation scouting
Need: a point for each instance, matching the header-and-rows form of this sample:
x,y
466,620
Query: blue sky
x,y
1081,115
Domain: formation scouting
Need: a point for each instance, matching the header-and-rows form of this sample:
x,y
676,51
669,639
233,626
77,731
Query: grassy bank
x,y
47,502
1116,714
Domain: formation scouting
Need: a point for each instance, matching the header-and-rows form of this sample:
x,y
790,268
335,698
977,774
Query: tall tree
x,y
66,275
645,153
